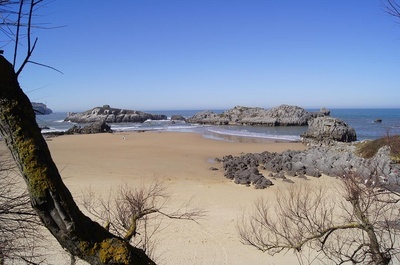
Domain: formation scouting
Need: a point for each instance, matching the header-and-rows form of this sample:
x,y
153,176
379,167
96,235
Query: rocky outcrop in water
x,y
41,109
95,127
112,115
283,115
327,129
332,161
178,118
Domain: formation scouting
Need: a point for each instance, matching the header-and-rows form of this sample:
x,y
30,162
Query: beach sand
x,y
182,161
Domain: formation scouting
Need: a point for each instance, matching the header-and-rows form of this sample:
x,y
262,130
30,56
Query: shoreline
x,y
221,136
149,153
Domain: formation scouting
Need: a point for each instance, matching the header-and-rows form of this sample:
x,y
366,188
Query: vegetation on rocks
x,y
368,149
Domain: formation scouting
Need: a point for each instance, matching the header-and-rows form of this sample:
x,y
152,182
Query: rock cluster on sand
x,y
284,115
244,170
112,115
329,160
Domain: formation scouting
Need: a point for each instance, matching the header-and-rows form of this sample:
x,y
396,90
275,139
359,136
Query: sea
x,y
362,120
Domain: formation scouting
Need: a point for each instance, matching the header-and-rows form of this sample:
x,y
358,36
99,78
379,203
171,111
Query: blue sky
x,y
215,54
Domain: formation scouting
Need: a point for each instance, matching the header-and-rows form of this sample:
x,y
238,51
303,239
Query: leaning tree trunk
x,y
49,196
378,257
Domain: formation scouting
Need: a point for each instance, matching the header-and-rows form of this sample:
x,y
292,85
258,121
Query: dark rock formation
x,y
112,115
244,170
283,115
333,161
208,117
177,118
327,129
325,111
95,127
41,109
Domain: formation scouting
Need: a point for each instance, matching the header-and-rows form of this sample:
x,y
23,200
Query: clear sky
x,y
215,54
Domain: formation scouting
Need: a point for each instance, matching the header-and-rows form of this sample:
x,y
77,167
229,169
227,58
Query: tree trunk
x,y
49,196
378,257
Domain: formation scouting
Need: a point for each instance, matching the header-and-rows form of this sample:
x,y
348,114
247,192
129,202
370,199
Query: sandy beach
x,y
182,161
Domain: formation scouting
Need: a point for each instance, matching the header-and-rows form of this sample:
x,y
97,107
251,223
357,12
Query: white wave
x,y
124,128
53,130
62,121
246,133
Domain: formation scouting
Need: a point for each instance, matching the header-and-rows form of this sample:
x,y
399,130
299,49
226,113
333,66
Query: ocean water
x,y
362,120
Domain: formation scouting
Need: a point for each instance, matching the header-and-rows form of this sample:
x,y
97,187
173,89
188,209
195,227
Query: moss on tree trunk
x,y
50,198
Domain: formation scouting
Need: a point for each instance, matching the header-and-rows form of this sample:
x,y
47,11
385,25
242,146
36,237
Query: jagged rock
x,y
327,129
280,175
112,115
325,111
243,170
95,127
313,172
177,118
208,117
296,169
41,109
283,115
334,161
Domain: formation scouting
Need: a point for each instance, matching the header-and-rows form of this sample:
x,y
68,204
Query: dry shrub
x,y
368,149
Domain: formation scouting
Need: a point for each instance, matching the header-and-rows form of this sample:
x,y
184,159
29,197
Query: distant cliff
x,y
112,115
41,109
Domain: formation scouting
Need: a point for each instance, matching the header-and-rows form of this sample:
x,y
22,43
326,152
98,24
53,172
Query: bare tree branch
x,y
17,25
19,225
392,8
47,66
21,4
360,225
127,212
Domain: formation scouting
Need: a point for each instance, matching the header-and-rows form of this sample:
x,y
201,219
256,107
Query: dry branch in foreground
x,y
136,213
353,223
20,238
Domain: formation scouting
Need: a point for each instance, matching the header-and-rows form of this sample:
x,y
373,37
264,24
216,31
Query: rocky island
x,y
112,115
283,115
